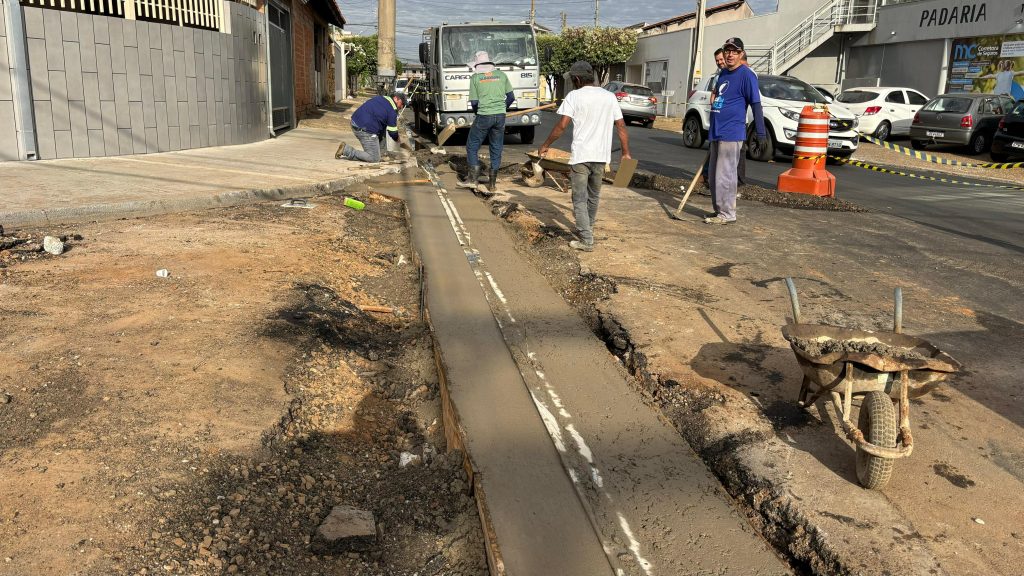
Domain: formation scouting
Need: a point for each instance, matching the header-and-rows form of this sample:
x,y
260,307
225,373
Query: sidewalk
x,y
297,163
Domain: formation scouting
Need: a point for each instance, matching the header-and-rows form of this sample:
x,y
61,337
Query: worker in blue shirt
x,y
737,89
370,122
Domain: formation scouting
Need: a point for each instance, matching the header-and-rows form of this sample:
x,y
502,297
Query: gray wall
x,y
8,133
105,86
915,65
822,65
910,23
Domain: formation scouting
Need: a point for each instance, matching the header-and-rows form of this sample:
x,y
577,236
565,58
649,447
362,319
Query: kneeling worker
x,y
377,116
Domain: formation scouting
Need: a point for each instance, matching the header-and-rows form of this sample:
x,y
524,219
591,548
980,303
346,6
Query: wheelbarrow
x,y
557,162
883,369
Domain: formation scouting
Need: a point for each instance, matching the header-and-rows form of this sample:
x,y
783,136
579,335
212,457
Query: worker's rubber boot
x,y
472,177
492,182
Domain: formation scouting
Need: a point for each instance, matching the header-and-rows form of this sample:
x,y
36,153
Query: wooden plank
x,y
627,167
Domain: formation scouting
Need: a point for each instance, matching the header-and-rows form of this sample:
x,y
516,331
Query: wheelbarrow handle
x,y
897,312
794,301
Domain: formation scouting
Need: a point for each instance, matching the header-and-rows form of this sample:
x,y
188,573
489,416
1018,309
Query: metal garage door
x,y
282,87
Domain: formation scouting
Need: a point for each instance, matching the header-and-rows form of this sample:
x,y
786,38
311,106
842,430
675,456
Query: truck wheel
x,y
693,132
877,421
526,134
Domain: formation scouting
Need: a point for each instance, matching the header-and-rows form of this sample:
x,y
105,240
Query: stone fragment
x,y
53,245
346,529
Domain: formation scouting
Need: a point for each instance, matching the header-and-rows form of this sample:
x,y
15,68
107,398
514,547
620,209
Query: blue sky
x,y
416,15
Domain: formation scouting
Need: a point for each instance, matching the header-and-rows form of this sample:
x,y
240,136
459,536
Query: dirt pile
x,y
208,422
749,192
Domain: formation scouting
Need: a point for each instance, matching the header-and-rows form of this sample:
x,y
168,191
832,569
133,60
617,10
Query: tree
x,y
602,47
551,67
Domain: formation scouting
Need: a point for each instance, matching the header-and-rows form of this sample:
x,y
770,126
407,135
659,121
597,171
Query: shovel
x,y
693,183
449,129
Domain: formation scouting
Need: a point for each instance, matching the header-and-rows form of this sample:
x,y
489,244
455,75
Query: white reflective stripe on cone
x,y
813,135
815,121
806,150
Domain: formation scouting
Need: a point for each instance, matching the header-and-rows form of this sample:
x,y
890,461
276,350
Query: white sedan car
x,y
883,112
782,99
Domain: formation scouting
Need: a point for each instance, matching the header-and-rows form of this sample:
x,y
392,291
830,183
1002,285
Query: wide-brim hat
x,y
481,62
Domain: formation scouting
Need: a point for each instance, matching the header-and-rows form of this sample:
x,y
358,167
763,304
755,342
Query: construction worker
x,y
593,112
370,122
490,95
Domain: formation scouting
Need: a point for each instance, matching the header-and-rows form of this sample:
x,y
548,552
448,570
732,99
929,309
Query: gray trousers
x,y
371,146
725,159
586,191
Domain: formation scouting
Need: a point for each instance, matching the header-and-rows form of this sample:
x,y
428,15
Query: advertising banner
x,y
987,64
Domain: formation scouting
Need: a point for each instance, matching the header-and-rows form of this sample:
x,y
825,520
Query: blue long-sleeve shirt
x,y
377,116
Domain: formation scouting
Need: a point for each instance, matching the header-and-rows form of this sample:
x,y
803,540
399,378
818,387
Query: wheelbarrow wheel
x,y
877,421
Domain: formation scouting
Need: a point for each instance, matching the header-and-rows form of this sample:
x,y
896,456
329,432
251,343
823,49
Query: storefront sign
x,y
955,14
987,64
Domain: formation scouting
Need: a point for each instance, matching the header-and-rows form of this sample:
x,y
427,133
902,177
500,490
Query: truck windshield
x,y
505,45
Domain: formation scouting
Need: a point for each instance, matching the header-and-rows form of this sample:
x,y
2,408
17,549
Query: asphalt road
x,y
991,215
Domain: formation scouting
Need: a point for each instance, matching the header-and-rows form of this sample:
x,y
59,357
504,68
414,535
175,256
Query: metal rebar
x,y
897,315
794,301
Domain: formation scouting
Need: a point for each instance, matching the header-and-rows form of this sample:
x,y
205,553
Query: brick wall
x,y
302,51
105,86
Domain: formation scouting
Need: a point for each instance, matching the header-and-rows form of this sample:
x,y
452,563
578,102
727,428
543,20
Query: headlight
x,y
535,118
791,114
856,123
790,134
450,120
461,121
526,118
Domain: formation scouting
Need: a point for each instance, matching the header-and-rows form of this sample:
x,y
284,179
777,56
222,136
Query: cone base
x,y
816,183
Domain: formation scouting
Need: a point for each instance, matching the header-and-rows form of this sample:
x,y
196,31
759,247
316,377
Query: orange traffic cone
x,y
808,174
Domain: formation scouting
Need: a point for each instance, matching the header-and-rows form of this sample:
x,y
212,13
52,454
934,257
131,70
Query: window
x,y
1019,110
949,104
896,97
637,90
786,88
1007,104
656,75
857,96
506,45
915,98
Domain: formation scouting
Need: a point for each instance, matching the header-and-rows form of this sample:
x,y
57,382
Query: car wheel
x,y
693,133
918,144
647,123
761,150
884,130
527,134
999,157
978,144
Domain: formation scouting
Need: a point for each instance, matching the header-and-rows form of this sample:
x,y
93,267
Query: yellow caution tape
x,y
874,168
937,160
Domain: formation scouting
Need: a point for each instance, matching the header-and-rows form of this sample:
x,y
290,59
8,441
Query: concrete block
x,y
124,141
160,114
87,49
192,99
201,92
91,88
130,32
179,78
190,61
121,101
145,61
214,131
8,143
167,45
44,130
77,116
59,100
194,140
54,40
62,140
73,70
159,88
174,139
131,60
138,135
6,92
104,72
108,112
3,21
117,48
163,139
79,130
178,38
156,61
152,145
101,27
183,121
86,30
201,74
204,129
38,69
34,23
172,101
69,26
96,143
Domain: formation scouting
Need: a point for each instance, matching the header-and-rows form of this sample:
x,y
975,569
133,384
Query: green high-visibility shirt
x,y
489,89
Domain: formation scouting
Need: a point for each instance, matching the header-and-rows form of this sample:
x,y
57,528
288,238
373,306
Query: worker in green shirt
x,y
490,95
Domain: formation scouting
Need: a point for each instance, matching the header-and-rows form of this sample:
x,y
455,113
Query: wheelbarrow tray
x,y
555,161
877,358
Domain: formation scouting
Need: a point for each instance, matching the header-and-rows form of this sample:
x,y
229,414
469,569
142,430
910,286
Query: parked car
x,y
402,85
829,96
637,102
966,119
883,112
1009,137
782,99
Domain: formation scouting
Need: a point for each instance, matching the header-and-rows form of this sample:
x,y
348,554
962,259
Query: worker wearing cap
x,y
737,89
593,111
370,122
490,95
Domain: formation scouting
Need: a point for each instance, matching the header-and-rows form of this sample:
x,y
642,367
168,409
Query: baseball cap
x,y
581,68
733,42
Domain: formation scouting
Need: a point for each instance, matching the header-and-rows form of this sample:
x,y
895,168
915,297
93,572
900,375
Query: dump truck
x,y
443,97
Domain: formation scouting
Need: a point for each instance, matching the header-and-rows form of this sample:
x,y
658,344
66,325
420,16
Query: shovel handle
x,y
528,110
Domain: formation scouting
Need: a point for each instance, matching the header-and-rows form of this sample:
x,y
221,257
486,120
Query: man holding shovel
x,y
593,111
490,95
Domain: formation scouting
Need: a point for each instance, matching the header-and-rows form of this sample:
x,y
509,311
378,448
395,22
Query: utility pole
x,y
533,12
386,44
597,12
563,21
698,47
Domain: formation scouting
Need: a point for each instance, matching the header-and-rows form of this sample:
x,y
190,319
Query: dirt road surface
x,y
695,313
207,422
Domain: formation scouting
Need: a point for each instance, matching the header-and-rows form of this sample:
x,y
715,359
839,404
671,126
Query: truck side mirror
x,y
424,52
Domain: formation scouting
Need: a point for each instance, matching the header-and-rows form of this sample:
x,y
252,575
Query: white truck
x,y
443,97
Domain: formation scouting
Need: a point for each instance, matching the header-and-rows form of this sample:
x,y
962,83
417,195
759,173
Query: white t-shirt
x,y
1004,82
593,111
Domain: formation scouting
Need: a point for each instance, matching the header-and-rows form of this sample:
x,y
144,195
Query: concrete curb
x,y
104,212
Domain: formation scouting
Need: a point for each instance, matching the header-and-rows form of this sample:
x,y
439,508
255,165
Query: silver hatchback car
x,y
636,101
967,119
